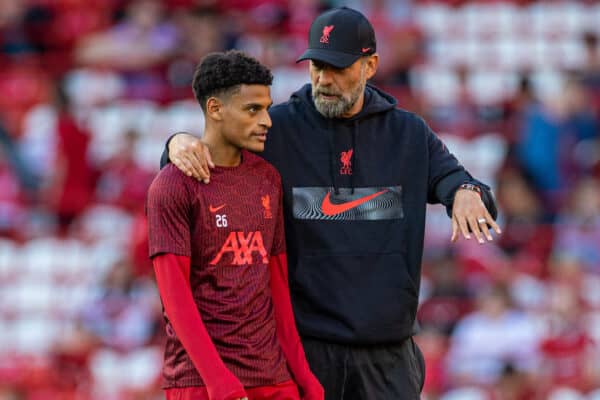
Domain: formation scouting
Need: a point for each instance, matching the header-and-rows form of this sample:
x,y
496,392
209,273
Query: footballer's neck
x,y
223,153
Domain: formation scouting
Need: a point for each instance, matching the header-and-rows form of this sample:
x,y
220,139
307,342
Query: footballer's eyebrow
x,y
258,105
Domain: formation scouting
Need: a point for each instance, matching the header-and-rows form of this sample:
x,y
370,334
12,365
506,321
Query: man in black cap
x,y
357,173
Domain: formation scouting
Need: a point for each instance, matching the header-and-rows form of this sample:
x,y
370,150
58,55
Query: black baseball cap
x,y
339,37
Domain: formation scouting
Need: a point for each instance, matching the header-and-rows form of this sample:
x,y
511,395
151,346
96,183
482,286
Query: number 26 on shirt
x,y
221,220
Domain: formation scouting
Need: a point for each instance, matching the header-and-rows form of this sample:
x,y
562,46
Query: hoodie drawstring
x,y
354,154
332,158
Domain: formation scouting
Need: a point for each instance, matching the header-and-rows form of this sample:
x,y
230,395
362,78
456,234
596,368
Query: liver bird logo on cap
x,y
326,31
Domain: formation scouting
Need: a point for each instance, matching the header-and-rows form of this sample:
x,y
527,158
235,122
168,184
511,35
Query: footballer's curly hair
x,y
222,73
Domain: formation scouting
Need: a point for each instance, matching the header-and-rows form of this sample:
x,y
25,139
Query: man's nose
x,y
265,120
325,77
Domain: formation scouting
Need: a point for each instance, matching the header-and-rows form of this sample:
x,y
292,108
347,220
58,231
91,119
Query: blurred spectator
x,y
399,39
123,181
300,15
448,300
433,345
70,362
137,47
72,188
527,236
138,248
202,32
551,134
12,201
461,116
565,269
578,226
517,107
539,152
12,153
123,315
583,128
567,350
591,69
512,385
23,86
264,34
141,40
15,39
493,335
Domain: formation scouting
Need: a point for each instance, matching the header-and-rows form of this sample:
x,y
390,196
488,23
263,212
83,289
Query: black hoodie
x,y
355,192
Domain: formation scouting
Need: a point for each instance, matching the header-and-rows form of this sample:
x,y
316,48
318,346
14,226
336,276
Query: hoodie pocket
x,y
365,298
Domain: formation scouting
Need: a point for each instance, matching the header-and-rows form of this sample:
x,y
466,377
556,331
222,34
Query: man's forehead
x,y
253,93
323,64
254,87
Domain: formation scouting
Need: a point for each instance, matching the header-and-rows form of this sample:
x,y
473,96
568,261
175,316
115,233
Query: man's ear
x,y
214,109
371,65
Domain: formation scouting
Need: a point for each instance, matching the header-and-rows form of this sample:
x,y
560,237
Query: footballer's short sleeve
x,y
169,208
279,234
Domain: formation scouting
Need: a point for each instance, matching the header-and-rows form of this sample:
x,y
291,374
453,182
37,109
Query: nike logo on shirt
x,y
215,209
331,209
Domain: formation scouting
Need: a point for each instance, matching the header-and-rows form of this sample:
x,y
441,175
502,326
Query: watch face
x,y
470,186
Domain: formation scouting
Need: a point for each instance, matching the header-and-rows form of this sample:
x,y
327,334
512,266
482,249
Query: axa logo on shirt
x,y
242,246
326,32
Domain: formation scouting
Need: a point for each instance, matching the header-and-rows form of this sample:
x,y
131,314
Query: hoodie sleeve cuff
x,y
447,187
164,158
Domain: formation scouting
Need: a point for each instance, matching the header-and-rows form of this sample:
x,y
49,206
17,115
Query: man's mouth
x,y
260,136
328,96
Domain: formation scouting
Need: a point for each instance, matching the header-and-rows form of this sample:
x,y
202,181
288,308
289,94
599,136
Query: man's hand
x,y
191,156
469,211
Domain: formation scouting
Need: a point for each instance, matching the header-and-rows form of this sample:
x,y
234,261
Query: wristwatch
x,y
470,186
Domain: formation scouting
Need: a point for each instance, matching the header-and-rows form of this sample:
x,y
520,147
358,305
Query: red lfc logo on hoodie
x,y
346,159
326,31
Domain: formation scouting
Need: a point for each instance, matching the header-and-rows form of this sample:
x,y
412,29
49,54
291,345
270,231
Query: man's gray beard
x,y
337,108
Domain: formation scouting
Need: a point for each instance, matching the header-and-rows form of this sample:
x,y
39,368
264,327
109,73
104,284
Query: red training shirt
x,y
229,229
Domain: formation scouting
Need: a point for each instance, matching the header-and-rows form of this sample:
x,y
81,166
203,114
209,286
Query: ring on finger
x,y
481,220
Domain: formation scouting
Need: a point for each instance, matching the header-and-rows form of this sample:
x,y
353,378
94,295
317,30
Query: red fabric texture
x,y
172,276
287,332
281,391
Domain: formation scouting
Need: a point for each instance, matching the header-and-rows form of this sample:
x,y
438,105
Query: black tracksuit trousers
x,y
379,372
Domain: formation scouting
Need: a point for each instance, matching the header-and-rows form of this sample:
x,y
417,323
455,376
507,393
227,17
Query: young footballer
x,y
219,253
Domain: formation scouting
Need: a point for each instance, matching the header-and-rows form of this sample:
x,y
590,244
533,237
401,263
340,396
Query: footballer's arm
x,y
287,333
172,276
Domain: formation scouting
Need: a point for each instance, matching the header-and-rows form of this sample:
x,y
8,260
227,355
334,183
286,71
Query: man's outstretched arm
x,y
189,154
469,203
